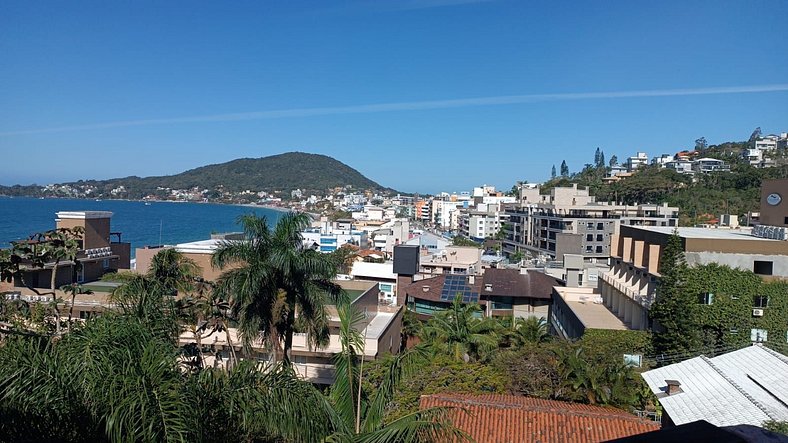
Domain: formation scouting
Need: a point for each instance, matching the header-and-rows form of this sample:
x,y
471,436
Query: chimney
x,y
674,387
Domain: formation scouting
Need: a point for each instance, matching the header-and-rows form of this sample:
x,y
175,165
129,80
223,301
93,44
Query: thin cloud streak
x,y
413,106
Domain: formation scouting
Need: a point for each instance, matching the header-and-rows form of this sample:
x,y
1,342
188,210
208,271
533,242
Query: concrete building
x,y
482,223
500,293
570,221
452,260
629,288
328,236
101,251
636,161
682,166
706,165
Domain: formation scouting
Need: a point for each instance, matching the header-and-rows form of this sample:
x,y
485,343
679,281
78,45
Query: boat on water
x,y
147,203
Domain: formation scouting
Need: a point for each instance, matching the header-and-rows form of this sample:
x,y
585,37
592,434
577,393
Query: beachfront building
x,y
636,161
101,251
569,220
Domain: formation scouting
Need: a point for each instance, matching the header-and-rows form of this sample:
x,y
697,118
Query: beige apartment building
x,y
569,220
101,251
629,288
380,328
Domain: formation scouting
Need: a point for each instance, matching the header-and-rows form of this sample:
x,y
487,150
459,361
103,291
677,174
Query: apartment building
x,y
707,165
483,222
636,161
101,251
570,221
329,236
629,288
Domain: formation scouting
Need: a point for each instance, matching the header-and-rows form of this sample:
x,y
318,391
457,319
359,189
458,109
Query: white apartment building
x,y
636,161
328,236
662,160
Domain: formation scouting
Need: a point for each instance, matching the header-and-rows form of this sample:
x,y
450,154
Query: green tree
x,y
459,240
613,161
564,169
780,427
362,412
552,172
50,249
457,332
270,277
673,308
528,330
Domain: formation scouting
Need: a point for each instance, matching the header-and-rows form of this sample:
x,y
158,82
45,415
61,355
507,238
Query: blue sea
x,y
140,224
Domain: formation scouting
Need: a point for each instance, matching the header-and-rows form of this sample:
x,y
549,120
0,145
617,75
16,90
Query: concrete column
x,y
637,254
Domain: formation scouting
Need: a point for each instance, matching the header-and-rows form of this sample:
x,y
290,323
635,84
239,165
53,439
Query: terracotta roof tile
x,y
495,418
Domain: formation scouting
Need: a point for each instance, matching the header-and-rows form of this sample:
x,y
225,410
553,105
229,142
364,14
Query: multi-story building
x,y
706,165
629,288
328,237
570,221
500,293
636,161
483,222
101,251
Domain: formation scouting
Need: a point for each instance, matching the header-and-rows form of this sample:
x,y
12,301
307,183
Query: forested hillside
x,y
705,197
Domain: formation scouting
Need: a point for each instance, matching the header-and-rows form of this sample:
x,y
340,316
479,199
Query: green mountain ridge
x,y
281,172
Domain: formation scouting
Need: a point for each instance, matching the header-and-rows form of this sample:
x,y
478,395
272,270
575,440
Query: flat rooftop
x,y
593,315
706,233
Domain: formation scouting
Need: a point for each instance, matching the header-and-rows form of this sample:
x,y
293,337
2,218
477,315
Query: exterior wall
x,y
96,231
744,262
774,215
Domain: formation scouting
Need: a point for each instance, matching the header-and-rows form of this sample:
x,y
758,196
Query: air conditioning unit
x,y
757,312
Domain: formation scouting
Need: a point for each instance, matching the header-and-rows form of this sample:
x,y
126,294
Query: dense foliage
x,y
735,192
708,308
283,172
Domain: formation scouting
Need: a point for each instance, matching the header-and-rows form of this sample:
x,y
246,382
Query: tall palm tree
x,y
459,333
270,277
173,271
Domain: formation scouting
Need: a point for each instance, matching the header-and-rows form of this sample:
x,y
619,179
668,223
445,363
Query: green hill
x,y
282,172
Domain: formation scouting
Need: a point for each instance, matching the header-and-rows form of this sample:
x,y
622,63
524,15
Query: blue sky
x,y
107,89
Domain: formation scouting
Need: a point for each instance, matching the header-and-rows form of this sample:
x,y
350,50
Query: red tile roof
x,y
496,418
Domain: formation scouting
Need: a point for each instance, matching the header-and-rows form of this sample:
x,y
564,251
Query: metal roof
x,y
748,386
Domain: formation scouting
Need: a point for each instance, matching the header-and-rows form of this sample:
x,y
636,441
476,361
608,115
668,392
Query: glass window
x,y
706,298
589,237
599,249
763,267
600,237
600,226
759,335
760,301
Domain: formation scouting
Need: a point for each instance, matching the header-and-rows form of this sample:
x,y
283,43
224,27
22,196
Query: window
x,y
589,248
760,301
763,267
600,226
599,249
706,298
590,226
759,335
105,263
785,222
580,279
589,237
600,237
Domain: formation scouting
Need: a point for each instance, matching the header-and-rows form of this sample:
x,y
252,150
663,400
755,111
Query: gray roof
x,y
748,386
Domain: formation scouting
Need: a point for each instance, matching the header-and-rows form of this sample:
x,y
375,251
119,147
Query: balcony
x,y
644,299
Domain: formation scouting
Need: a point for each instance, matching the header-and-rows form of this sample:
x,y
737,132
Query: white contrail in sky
x,y
412,106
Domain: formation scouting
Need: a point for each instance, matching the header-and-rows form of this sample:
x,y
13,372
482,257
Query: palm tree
x,y
270,278
458,333
173,271
528,330
114,380
360,415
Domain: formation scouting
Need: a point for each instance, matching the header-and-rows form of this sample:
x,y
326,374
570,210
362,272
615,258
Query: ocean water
x,y
140,224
